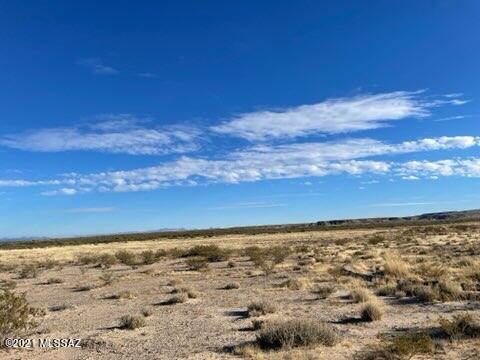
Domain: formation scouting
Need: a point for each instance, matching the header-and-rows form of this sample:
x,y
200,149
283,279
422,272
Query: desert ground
x,y
379,293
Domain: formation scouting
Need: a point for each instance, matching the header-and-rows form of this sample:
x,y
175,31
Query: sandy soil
x,y
208,326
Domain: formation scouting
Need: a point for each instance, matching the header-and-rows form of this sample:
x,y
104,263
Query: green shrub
x,y
212,253
16,315
294,333
410,344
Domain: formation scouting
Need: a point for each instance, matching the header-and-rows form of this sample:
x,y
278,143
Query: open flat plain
x,y
378,293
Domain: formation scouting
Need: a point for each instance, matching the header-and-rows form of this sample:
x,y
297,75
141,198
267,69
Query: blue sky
x,y
120,116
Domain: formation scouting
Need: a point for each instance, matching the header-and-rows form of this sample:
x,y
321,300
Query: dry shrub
x,y
359,294
196,263
461,326
323,292
132,322
232,285
372,311
16,315
410,344
295,333
28,271
148,257
448,290
274,255
260,308
126,257
107,260
176,299
387,290
54,281
125,294
472,271
192,294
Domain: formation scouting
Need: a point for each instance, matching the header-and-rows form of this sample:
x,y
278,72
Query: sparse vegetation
x,y
16,315
132,322
295,333
260,308
372,311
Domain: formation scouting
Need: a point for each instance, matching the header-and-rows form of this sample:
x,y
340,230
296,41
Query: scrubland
x,y
405,292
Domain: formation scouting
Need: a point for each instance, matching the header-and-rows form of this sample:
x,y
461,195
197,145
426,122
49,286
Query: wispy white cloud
x,y
334,116
97,67
62,191
449,167
282,162
114,133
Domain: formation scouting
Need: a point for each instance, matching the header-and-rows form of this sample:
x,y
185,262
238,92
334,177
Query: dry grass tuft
x,y
132,322
372,311
260,308
295,333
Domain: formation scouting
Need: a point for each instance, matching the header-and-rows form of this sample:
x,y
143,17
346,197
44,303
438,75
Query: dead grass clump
x,y
54,281
449,290
295,333
360,295
232,286
296,284
260,308
28,271
126,257
132,322
396,267
176,299
7,284
424,293
461,326
372,311
472,271
125,294
196,263
323,292
387,290
192,294
16,315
